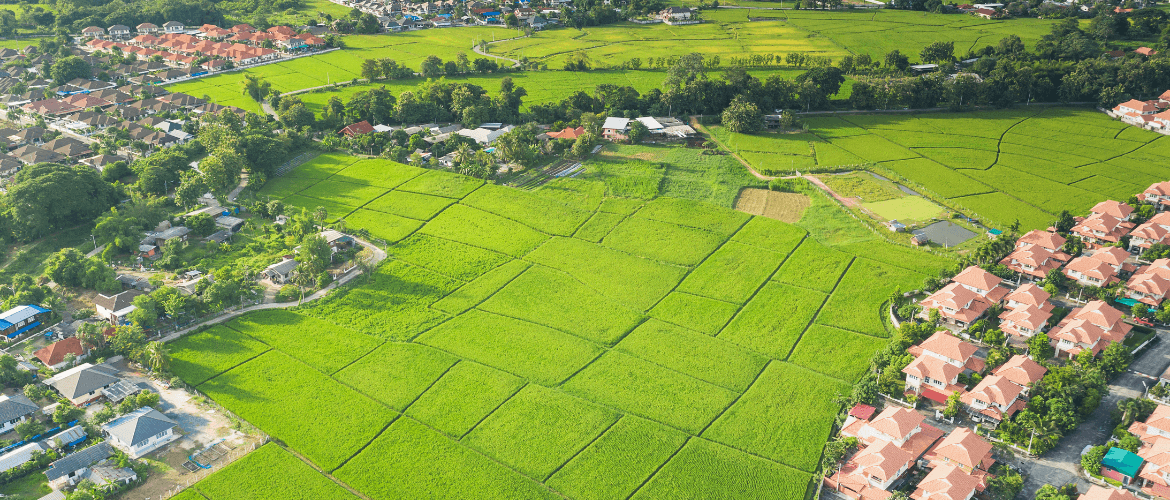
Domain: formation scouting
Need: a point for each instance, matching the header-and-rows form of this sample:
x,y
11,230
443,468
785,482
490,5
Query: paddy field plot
x,y
541,344
997,166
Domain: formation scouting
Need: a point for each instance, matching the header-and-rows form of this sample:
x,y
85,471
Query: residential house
x,y
482,135
1156,426
871,472
15,409
1155,230
93,32
1155,472
1037,253
1121,465
280,272
56,355
71,469
947,482
1159,192
1113,208
1151,283
119,31
964,449
147,29
1102,493
337,240
1022,371
174,27
67,438
969,295
1102,229
1028,311
115,308
20,319
676,14
356,129
905,428
1092,327
84,383
568,133
1145,51
141,431
1101,268
993,400
1136,112
20,456
937,364
615,128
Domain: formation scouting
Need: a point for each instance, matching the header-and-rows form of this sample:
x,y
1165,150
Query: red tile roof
x,y
55,353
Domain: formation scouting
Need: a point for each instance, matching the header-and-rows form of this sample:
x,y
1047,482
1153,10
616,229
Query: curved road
x,y
378,256
515,62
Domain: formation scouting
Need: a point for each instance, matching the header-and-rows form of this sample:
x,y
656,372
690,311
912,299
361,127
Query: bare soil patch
x,y
785,207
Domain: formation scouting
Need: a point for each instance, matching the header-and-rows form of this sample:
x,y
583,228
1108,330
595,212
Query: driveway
x,y
1059,466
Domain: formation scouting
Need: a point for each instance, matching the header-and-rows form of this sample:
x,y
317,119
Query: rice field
x,y
998,166
548,344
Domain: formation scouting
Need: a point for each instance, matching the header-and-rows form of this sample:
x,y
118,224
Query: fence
x,y
295,162
195,477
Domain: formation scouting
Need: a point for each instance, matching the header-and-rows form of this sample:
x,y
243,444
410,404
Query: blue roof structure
x,y
1123,461
18,314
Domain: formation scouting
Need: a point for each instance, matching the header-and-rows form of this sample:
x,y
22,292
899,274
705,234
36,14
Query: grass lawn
x,y
905,208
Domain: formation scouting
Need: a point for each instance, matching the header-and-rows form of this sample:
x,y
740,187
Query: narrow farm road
x,y
515,62
377,255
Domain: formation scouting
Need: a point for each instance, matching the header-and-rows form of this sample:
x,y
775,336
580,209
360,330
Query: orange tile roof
x,y
930,366
946,482
963,447
1045,239
1031,294
993,389
975,277
1029,316
1021,370
1101,493
55,353
1114,208
897,422
942,342
882,460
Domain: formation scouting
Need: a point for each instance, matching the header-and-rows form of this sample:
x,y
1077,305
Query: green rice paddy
x,y
504,351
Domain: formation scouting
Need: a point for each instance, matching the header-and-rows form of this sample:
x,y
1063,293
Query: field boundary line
x,y
583,448
359,358
284,446
737,398
490,295
696,266
432,384
493,410
817,314
761,287
368,443
660,466
282,351
237,365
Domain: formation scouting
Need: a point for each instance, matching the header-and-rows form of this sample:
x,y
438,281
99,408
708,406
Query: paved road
x,y
1059,466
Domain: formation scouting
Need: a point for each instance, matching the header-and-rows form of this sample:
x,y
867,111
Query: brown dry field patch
x,y
785,207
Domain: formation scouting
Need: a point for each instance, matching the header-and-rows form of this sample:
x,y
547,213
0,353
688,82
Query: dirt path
x,y
849,202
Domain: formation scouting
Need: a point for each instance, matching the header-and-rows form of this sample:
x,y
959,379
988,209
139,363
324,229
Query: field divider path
x,y
368,443
660,466
583,448
816,315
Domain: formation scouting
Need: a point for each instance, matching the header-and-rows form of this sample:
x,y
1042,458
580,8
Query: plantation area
x,y
559,342
1026,164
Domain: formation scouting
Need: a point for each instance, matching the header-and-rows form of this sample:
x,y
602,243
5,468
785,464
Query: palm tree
x,y
463,154
156,356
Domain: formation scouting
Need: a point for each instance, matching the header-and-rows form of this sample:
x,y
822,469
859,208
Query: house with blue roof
x,y
21,319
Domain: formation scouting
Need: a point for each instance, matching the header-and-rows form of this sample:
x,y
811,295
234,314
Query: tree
x,y
1039,347
156,356
938,52
895,60
638,132
128,340
34,392
66,413
192,186
256,87
1050,492
29,428
431,67
1065,222
69,68
742,116
953,405
315,255
1115,359
47,197
1091,461
1140,310
145,313
686,70
221,170
66,267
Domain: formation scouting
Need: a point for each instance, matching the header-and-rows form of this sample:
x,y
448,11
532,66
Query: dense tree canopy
x,y
47,197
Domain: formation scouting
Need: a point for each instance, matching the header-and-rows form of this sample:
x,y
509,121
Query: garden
x,y
555,342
